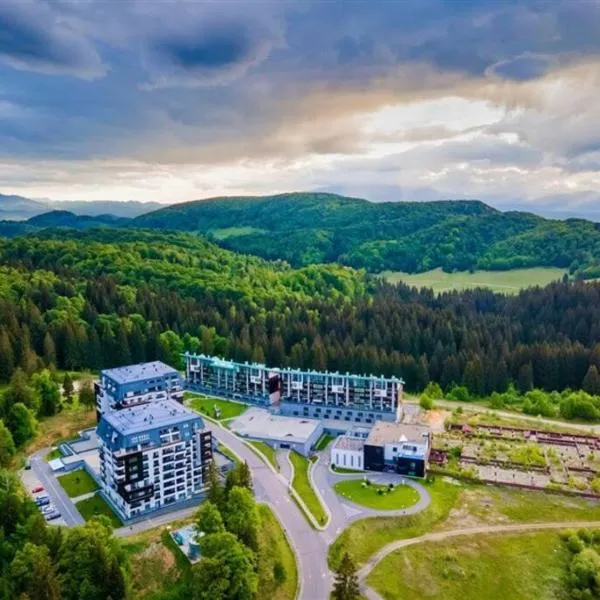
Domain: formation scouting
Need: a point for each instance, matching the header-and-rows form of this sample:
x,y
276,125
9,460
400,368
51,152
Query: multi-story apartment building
x,y
316,394
152,456
137,384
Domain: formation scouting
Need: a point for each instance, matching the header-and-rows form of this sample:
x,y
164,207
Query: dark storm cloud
x,y
33,38
208,54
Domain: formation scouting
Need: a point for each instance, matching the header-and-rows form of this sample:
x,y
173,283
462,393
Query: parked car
x,y
53,515
48,508
44,501
38,489
28,465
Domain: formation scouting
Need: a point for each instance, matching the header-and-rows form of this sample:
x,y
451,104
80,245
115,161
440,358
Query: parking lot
x,y
32,482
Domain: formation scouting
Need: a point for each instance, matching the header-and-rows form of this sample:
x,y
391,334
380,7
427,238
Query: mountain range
x,y
312,228
19,208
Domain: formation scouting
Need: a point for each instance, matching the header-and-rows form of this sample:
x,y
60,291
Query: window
x,y
351,460
344,459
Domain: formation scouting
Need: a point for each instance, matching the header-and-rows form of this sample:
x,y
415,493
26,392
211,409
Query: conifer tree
x,y
346,585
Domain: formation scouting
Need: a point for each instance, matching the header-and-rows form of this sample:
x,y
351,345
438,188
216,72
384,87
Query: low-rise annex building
x,y
152,456
400,447
280,432
347,451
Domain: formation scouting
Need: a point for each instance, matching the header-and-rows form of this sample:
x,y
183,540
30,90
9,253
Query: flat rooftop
x,y
139,372
384,432
153,415
348,442
260,423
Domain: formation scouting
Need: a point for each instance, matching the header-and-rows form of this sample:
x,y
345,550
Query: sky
x,y
173,100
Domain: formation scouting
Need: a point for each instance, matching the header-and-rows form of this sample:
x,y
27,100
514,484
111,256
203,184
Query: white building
x,y
347,451
152,456
136,384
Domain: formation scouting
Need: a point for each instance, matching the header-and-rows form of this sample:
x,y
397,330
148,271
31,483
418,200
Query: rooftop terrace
x,y
139,372
153,415
384,432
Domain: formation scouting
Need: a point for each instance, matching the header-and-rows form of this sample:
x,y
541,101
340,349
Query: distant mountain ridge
x,y
19,208
307,228
312,228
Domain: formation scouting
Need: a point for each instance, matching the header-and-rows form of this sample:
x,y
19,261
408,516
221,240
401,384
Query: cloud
x,y
521,68
211,55
34,38
416,99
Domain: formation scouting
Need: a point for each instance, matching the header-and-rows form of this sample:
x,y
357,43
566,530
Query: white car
x,y
47,509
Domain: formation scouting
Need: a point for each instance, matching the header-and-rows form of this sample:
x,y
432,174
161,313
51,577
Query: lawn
x,y
277,571
223,449
365,537
96,505
507,282
402,496
500,567
77,483
528,506
55,453
267,450
304,489
324,441
206,406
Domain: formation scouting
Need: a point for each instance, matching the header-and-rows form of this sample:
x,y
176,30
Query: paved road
x,y
310,546
444,535
343,512
58,496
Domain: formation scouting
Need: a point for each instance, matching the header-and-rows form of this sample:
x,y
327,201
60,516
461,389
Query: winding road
x,y
309,544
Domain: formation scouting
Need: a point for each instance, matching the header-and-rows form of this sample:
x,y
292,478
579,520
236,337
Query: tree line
x,y
86,303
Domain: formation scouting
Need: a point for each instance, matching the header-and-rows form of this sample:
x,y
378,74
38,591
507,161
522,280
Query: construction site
x,y
528,458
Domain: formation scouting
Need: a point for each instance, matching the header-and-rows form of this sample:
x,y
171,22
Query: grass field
x,y
508,282
94,506
77,483
227,232
301,484
206,406
402,496
481,567
277,571
324,441
268,451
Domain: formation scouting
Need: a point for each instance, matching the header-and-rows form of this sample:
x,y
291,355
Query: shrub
x,y
426,403
279,574
575,543
459,393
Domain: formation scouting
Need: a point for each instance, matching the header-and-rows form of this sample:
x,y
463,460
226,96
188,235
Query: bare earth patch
x,y
435,419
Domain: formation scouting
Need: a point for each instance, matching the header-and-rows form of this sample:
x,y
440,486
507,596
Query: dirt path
x,y
363,573
477,408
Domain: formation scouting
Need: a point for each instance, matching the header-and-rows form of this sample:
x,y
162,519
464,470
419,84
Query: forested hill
x,y
307,228
107,297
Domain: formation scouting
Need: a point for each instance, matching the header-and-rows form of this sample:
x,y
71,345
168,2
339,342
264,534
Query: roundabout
x,y
377,496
